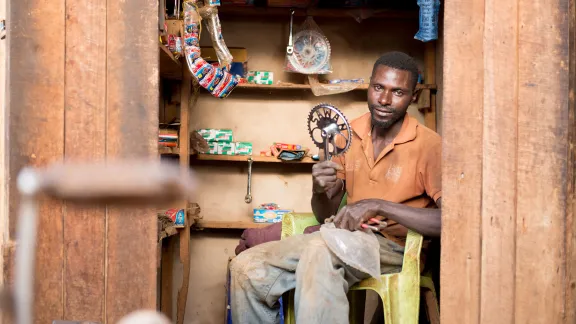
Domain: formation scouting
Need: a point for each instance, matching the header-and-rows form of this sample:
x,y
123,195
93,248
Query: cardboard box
x,y
216,135
269,215
243,148
239,65
221,148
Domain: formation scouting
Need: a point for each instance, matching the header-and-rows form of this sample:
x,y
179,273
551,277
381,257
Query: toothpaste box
x,y
262,215
222,148
243,148
216,135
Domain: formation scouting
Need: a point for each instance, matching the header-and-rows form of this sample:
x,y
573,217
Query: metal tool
x,y
248,198
329,130
290,47
121,183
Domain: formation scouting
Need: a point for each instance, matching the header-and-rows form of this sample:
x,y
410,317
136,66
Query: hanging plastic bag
x,y
312,51
359,249
323,89
210,16
216,80
429,10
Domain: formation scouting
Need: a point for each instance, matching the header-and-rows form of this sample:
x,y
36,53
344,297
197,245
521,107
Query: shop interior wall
x,y
265,117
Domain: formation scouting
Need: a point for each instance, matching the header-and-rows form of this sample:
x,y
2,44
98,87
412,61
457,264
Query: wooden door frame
x,y
508,162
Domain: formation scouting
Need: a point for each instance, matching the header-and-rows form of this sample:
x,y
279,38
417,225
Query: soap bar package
x,y
262,215
243,148
221,148
260,77
216,135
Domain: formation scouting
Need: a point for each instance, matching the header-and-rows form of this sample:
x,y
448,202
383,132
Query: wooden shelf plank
x,y
244,158
228,224
355,13
296,86
170,67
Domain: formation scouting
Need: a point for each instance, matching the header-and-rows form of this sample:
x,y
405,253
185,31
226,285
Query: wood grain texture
x,y
462,161
499,161
542,161
184,137
85,129
36,117
131,131
571,177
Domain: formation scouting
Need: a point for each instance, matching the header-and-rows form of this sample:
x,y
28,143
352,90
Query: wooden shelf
x,y
239,158
296,86
244,158
355,13
170,67
201,224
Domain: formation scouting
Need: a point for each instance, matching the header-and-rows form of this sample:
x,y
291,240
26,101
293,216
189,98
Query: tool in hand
x,y
248,198
290,47
374,225
120,183
329,130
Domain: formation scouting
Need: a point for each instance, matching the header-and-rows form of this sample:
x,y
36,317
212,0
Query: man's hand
x,y
352,216
324,176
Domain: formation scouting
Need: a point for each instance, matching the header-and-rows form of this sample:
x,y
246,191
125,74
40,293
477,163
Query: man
x,y
391,172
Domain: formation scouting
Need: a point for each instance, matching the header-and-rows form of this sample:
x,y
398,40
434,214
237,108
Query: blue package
x,y
428,20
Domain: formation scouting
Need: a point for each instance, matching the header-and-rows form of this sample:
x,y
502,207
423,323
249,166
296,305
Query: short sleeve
x,y
431,170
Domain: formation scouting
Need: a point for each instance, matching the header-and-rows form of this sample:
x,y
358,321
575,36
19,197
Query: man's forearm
x,y
326,204
426,221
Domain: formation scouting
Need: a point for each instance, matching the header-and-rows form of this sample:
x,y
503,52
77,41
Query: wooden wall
x,y
83,85
508,167
267,116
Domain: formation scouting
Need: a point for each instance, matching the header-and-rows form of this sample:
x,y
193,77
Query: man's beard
x,y
396,116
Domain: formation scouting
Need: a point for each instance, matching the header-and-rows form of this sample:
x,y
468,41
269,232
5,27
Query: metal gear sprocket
x,y
327,126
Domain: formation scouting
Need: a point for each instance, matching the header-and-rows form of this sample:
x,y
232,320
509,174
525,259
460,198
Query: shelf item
x,y
170,67
302,86
201,224
244,158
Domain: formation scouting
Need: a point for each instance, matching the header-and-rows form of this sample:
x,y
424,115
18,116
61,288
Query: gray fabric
x,y
260,275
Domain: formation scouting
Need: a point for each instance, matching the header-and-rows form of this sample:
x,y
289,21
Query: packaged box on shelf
x,y
221,148
176,216
216,135
262,215
260,77
239,64
243,148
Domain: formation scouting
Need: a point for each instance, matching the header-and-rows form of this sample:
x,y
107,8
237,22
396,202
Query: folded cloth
x,y
254,236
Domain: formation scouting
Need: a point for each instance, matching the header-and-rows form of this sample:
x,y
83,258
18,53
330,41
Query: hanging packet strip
x,y
218,81
428,20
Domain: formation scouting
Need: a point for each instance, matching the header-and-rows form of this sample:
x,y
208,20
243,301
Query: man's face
x,y
389,95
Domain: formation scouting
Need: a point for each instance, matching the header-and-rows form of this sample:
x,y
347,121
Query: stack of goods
x,y
168,138
239,64
269,213
260,77
221,141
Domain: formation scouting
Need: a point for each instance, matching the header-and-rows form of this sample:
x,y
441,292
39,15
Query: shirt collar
x,y
362,127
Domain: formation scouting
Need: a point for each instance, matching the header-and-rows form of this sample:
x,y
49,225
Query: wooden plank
x,y
167,282
36,128
132,131
85,129
301,86
170,67
244,158
430,78
542,161
499,161
462,161
571,178
184,138
229,224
